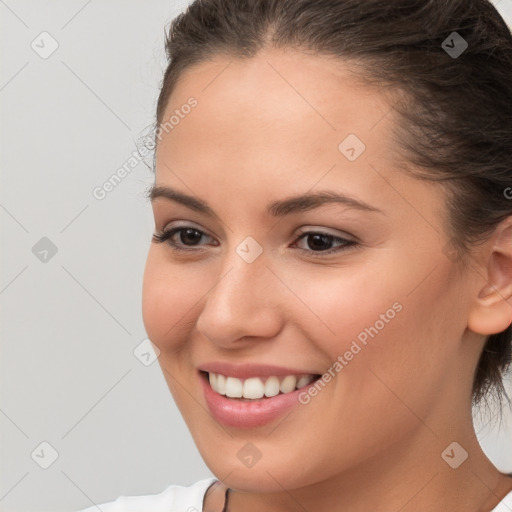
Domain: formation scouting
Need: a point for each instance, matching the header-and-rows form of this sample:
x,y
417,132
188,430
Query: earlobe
x,y
491,311
491,318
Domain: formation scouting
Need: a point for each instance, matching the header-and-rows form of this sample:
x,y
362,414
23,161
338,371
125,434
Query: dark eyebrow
x,y
275,208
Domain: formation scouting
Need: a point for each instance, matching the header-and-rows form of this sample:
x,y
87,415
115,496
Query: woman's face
x,y
375,303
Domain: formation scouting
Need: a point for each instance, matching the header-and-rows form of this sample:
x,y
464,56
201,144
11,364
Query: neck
x,y
410,475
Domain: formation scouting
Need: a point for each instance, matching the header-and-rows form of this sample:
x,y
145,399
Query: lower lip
x,y
248,414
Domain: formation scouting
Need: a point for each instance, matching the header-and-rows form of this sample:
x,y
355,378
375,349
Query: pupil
x,y
323,238
187,232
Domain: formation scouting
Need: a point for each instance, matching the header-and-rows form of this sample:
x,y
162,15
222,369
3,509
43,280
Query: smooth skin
x,y
266,129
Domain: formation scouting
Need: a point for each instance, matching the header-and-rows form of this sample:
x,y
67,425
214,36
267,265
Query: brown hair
x,y
455,116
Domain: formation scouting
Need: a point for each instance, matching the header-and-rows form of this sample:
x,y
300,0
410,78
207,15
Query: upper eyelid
x,y
302,230
326,231
189,224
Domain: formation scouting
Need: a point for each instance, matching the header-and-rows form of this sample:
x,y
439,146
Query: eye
x,y
188,235
319,241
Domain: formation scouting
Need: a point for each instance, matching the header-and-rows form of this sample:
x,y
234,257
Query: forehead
x,y
279,90
279,122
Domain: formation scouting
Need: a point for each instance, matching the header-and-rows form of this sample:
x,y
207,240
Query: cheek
x,y
386,350
347,305
169,293
382,321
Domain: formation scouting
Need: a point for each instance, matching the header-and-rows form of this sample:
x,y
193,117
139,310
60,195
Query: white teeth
x,y
221,384
272,386
303,381
255,387
288,384
234,387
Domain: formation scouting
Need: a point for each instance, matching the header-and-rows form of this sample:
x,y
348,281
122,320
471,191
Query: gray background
x,y
70,324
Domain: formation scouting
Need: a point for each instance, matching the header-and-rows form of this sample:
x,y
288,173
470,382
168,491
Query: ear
x,y
491,311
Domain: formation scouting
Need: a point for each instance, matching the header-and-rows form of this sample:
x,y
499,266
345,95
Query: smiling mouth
x,y
257,388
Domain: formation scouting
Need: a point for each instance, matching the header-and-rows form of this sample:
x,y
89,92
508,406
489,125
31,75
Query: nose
x,y
243,302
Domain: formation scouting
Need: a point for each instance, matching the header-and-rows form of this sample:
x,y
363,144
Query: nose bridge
x,y
240,303
242,284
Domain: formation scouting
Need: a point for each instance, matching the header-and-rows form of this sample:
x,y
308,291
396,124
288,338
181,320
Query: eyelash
x,y
165,236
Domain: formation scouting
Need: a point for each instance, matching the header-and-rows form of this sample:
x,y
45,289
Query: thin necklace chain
x,y
225,509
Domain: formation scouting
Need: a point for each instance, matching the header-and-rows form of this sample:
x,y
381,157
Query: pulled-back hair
x,y
454,112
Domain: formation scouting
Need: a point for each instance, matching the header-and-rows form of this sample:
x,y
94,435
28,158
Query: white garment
x,y
505,505
177,498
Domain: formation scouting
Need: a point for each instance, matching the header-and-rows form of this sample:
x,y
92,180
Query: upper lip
x,y
248,370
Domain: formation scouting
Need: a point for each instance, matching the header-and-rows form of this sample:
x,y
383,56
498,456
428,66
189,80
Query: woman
x,y
330,281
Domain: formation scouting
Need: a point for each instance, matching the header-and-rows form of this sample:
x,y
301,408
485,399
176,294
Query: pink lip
x,y
247,370
249,414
